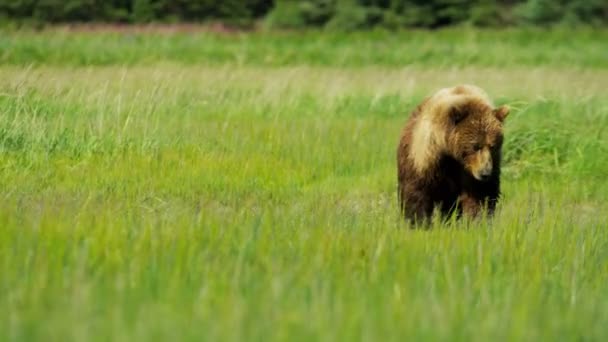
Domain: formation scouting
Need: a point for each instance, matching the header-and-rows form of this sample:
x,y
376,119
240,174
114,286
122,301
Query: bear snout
x,y
485,173
482,168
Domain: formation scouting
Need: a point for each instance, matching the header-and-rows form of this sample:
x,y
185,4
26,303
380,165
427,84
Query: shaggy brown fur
x,y
449,155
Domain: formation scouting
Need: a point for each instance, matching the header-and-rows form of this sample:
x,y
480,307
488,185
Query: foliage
x,y
333,14
133,10
357,14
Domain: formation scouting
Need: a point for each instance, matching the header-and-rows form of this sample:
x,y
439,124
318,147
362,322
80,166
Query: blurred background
x,y
334,14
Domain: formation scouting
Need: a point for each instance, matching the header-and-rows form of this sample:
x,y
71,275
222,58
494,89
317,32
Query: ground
x,y
227,187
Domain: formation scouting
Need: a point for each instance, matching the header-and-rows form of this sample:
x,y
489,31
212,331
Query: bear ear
x,y
501,113
457,114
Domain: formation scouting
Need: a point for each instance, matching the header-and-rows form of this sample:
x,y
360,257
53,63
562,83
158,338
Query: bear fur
x,y
449,154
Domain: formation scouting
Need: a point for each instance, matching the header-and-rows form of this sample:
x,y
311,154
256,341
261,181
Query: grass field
x,y
202,186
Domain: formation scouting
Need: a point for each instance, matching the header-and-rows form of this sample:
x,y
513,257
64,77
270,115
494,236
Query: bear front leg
x,y
491,204
470,205
415,206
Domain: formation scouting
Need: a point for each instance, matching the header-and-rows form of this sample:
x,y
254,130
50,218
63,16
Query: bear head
x,y
475,136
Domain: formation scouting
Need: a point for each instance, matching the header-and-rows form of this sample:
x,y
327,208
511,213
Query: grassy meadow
x,y
211,186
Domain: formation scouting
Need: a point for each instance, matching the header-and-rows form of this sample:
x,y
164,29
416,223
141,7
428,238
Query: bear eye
x,y
476,147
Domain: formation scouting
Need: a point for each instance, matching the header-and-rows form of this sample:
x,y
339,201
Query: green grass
x,y
450,47
157,198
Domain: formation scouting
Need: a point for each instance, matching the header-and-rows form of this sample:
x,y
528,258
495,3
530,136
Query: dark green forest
x,y
330,14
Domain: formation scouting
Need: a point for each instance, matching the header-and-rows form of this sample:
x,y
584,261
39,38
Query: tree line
x,y
331,14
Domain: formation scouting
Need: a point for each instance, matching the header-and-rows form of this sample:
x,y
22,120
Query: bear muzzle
x,y
482,168
484,174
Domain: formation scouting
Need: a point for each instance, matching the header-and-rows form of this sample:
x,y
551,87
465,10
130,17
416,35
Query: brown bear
x,y
449,155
